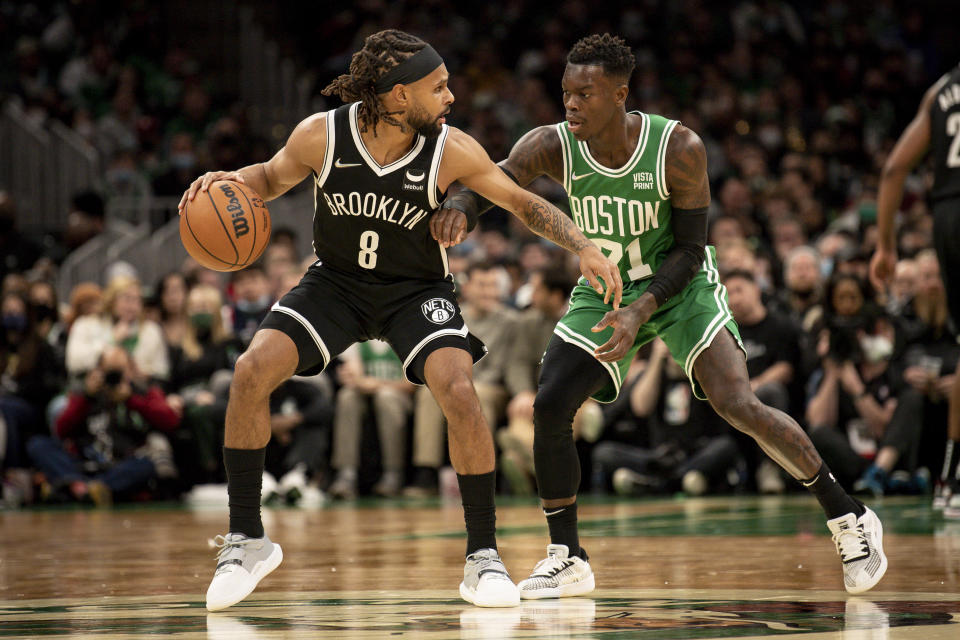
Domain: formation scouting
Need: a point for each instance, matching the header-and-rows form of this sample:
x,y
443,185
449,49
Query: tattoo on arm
x,y
546,220
537,153
686,170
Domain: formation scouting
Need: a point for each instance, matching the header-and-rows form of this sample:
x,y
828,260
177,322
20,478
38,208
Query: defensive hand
x,y
448,226
594,265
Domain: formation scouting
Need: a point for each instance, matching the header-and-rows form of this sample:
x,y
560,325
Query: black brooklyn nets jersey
x,y
945,137
372,221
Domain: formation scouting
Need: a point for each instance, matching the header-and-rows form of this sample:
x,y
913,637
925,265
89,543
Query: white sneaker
x,y
486,582
952,509
860,546
242,562
558,576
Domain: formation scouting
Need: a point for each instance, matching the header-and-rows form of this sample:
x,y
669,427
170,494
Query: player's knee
x,y
250,377
456,393
553,411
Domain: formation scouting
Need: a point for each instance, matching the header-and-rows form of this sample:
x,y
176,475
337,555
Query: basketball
x,y
225,228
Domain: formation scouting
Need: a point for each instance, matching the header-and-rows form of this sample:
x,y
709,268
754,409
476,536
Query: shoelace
x,y
551,565
850,543
224,546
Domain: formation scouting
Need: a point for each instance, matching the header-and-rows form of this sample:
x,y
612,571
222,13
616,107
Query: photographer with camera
x,y
855,389
109,438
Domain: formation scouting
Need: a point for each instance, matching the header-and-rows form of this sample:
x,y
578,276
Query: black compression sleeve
x,y
684,260
471,203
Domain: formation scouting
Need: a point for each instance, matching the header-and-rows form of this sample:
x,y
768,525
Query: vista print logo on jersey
x,y
438,310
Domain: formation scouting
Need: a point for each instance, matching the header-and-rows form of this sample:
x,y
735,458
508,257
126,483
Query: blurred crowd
x,y
119,391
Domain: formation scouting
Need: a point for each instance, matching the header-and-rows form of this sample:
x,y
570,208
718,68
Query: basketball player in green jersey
x,y
638,188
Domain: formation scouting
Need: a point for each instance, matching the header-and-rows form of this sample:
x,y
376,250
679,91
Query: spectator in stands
x,y
772,343
371,377
301,415
42,297
903,286
181,166
201,368
278,261
85,219
803,286
109,441
490,320
252,300
676,442
550,290
86,299
855,390
171,301
121,324
914,443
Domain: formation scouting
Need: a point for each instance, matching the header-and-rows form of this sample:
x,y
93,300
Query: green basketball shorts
x,y
687,323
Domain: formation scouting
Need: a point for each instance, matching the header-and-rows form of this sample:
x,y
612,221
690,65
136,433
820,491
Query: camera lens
x,y
112,377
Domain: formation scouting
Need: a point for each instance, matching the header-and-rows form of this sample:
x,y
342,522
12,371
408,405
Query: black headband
x,y
417,66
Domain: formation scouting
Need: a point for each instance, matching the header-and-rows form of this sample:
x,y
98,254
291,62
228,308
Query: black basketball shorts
x,y
331,309
946,240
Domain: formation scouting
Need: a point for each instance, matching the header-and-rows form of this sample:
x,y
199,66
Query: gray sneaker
x,y
242,563
486,582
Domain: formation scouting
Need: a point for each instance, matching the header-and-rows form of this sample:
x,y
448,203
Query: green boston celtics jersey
x,y
625,211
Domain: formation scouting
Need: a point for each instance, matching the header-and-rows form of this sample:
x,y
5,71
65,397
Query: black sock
x,y
562,522
479,512
949,461
832,497
244,481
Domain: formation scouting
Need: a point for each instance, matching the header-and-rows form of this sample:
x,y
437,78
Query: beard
x,y
423,123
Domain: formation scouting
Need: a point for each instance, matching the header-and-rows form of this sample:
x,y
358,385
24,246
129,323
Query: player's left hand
x,y
626,322
448,226
593,265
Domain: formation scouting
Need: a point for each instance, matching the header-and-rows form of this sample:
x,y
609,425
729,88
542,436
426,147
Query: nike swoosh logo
x,y
575,177
340,165
553,513
416,177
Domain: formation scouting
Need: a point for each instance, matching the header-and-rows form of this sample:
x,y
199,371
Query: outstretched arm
x,y
537,153
287,168
910,148
465,160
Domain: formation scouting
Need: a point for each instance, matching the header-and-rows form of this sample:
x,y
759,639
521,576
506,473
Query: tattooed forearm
x,y
546,220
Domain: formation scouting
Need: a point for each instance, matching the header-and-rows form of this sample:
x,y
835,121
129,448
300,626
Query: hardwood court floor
x,y
666,569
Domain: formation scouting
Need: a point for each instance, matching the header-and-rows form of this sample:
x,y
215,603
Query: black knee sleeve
x,y
568,377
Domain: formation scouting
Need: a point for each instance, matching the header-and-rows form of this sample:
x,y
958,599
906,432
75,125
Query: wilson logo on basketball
x,y
240,225
438,310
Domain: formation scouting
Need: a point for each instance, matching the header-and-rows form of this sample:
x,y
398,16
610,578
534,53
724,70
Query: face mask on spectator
x,y
182,161
14,322
246,306
202,324
44,312
876,348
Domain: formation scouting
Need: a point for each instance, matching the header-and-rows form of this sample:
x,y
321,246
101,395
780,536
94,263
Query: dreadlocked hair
x,y
605,50
381,52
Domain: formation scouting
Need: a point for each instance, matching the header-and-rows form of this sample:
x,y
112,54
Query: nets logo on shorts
x,y
438,310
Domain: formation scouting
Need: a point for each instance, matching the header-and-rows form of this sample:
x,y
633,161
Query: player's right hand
x,y
448,226
882,265
203,183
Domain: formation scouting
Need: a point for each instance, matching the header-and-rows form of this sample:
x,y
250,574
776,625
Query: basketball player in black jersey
x,y
379,165
935,128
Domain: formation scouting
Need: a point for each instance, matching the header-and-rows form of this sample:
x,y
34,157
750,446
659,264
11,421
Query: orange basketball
x,y
225,228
